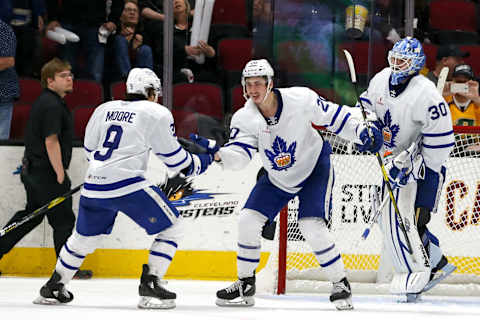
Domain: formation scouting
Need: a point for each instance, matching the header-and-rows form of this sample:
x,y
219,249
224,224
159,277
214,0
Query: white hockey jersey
x,y
118,140
288,144
418,110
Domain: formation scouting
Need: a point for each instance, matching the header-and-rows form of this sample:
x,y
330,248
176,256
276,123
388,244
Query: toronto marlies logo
x,y
389,130
282,157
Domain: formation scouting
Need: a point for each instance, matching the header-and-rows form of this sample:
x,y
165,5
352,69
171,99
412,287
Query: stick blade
x,y
442,77
351,66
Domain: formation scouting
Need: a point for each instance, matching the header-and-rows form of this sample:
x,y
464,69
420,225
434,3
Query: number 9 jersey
x,y
410,110
118,140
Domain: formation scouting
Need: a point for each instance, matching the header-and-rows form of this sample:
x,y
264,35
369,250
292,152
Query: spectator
x,y
90,21
447,56
26,19
9,89
128,43
48,151
464,105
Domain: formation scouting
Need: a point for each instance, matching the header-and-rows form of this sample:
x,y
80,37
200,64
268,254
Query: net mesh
x,y
456,223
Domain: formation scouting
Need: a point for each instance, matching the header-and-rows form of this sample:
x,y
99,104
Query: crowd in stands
x,y
117,35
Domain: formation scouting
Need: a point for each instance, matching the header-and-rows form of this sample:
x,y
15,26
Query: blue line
x,y
244,146
440,146
172,243
112,186
330,262
76,255
343,123
325,250
366,100
159,254
178,163
87,149
169,154
248,260
248,247
437,134
336,115
66,265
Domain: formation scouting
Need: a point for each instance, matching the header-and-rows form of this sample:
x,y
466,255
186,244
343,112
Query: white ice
x,y
115,299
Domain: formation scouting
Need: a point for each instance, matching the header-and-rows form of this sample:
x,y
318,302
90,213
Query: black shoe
x,y
341,295
54,291
240,293
83,274
151,287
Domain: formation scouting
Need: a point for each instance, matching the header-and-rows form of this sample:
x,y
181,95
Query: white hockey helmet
x,y
141,79
257,68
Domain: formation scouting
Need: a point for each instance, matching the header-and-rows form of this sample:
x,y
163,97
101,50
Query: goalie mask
x,y
257,68
140,80
405,59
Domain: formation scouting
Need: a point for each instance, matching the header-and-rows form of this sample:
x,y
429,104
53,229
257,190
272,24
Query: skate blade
x,y
154,303
46,301
446,271
238,302
343,304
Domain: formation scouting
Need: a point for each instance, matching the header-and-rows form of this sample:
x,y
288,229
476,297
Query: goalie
x,y
418,138
278,124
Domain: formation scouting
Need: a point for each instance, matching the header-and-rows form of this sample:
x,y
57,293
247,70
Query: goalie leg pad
x,y
319,238
250,226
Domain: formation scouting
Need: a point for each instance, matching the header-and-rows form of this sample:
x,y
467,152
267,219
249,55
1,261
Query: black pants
x,y
42,187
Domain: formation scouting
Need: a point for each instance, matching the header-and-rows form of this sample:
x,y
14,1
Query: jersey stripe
x,y
439,146
343,123
442,134
112,186
178,163
244,146
169,154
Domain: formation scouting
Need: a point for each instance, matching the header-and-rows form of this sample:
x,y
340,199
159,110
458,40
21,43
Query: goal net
x,y
292,267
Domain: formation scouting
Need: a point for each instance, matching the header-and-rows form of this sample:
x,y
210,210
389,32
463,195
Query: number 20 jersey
x,y
118,140
418,110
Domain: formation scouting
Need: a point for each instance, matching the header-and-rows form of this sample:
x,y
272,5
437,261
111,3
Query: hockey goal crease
x,y
292,267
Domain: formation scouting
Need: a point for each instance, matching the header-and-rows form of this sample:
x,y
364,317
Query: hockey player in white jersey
x,y
118,140
418,138
277,123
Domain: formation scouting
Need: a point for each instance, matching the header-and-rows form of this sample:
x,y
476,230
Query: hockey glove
x,y
404,168
367,143
210,145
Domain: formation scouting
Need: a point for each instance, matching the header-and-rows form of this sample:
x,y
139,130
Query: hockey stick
x,y
442,78
40,210
353,77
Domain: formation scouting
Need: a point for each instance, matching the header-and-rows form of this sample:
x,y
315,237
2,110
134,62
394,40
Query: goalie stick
x,y
40,210
353,77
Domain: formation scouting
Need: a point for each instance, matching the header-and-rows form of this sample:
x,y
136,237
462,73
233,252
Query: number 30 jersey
x,y
408,111
118,140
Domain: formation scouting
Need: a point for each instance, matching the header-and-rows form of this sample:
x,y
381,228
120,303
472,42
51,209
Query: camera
x,y
459,88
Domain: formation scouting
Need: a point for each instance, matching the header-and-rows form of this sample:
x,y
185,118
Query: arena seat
x,y
85,93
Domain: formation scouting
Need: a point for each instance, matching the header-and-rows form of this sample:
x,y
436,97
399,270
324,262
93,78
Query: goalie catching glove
x,y
367,143
406,167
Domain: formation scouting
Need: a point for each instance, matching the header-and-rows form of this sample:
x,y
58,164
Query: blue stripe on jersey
x,y
172,243
324,250
366,100
248,260
76,255
442,134
160,254
169,154
178,163
326,264
243,246
66,265
88,150
335,116
343,123
440,146
112,186
244,146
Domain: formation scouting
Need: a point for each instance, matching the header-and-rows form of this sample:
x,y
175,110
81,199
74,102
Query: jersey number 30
x,y
112,140
437,111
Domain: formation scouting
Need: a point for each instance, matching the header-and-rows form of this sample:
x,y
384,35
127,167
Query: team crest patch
x,y
282,157
389,130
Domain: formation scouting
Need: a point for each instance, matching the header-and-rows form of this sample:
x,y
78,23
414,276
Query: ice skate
x,y
239,294
342,295
152,294
54,292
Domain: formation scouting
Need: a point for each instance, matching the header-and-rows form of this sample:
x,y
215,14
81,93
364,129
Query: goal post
x,y
294,268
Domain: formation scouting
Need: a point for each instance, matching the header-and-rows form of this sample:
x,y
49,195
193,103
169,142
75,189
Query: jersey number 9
x,y
114,133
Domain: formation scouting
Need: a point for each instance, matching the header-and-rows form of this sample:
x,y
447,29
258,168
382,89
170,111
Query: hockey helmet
x,y
405,59
257,68
141,79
